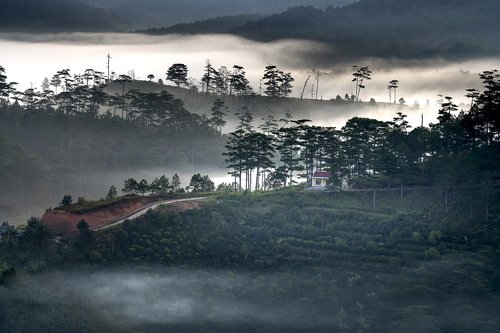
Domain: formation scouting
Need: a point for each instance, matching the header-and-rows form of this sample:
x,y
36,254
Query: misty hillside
x,y
215,25
385,28
163,13
55,16
326,112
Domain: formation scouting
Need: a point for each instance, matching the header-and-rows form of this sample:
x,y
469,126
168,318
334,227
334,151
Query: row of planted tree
x,y
459,144
163,185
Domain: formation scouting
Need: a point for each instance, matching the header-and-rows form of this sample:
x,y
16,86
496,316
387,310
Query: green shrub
x,y
432,253
371,246
394,234
340,242
435,236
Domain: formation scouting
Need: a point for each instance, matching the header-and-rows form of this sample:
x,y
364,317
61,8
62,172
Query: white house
x,y
320,180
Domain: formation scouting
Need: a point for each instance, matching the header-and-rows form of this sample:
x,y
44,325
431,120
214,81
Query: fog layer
x,y
164,300
420,80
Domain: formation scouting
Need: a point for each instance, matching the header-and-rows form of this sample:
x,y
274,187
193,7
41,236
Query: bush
x,y
340,242
432,253
371,246
435,236
66,200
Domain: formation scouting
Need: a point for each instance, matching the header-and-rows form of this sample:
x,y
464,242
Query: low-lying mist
x,y
181,300
421,80
172,297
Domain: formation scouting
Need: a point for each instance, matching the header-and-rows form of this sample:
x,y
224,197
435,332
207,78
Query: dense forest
x,y
461,149
211,26
390,28
406,29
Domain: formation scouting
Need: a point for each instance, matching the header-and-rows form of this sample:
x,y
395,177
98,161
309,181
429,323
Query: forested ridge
x,y
165,13
390,28
56,16
460,149
405,29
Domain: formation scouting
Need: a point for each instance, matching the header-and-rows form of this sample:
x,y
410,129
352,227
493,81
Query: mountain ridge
x,y
378,28
56,16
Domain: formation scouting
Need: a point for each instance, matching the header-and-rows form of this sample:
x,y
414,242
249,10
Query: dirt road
x,y
144,210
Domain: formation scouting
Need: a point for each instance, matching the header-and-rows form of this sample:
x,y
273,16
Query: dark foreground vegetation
x,y
421,260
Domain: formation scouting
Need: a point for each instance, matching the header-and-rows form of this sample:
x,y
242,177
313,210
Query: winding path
x,y
144,210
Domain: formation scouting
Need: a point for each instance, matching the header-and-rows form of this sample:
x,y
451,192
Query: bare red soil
x,y
66,222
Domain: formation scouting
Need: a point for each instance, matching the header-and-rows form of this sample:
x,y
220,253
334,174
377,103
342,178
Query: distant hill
x,y
381,28
55,16
386,28
146,14
210,26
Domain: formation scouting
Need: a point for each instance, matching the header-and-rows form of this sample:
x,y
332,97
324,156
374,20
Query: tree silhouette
x,y
360,75
66,200
278,83
239,84
123,80
393,85
177,73
200,183
6,89
210,78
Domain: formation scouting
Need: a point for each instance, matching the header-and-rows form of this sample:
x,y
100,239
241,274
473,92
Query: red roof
x,y
322,174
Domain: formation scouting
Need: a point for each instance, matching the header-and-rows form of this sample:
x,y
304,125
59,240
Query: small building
x,y
320,180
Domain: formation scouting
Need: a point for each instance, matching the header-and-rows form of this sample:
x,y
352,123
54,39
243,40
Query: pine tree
x,y
177,73
360,75
219,111
239,84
